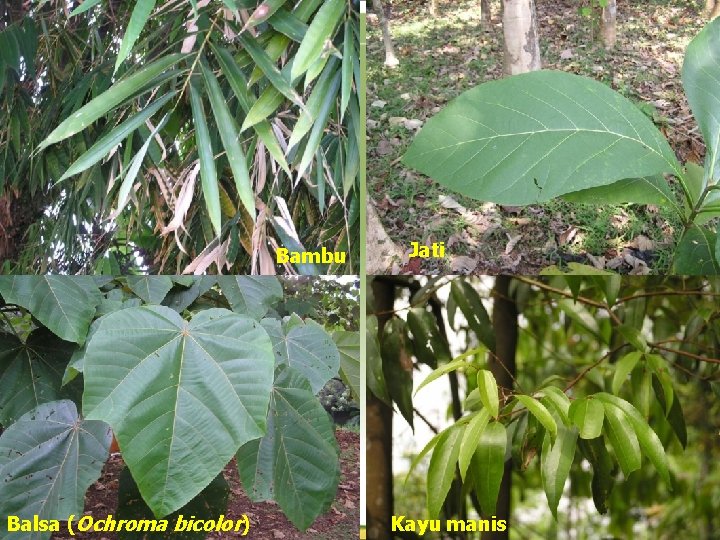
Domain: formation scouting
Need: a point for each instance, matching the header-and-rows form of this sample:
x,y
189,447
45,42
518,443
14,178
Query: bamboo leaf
x,y
347,68
263,12
108,100
314,103
138,19
82,8
106,144
208,173
320,30
229,137
488,392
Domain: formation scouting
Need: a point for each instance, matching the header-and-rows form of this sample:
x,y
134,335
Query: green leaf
x,y
208,172
230,140
539,411
320,30
555,464
649,441
181,299
429,346
238,83
623,368
459,363
109,99
602,482
442,469
397,366
180,396
676,418
140,15
557,400
694,254
471,306
86,5
263,12
375,379
107,143
269,69
210,503
700,75
634,337
488,392
348,344
64,304
491,454
299,452
695,181
348,60
152,289
471,439
587,414
649,190
30,372
9,51
533,137
48,459
251,295
623,439
307,347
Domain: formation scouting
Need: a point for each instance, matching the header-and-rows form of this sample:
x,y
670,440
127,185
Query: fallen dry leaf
x,y
567,236
512,241
461,264
451,204
642,242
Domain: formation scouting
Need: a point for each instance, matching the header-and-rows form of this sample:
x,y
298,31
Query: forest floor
x,y
443,56
267,521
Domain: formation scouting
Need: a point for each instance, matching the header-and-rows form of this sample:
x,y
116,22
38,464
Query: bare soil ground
x,y
443,56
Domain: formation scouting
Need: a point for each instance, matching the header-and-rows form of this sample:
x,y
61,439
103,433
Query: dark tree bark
x,y
378,453
502,366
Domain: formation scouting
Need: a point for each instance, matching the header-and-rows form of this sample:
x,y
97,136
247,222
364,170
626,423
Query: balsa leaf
x,y
700,76
488,390
48,460
623,439
64,304
30,372
555,464
491,454
152,289
539,411
320,30
140,15
348,344
109,99
208,172
181,396
107,143
536,136
471,439
251,295
297,461
442,469
587,414
230,139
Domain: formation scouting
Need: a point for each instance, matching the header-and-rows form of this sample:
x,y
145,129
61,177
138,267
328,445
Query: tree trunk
x,y
390,59
502,366
522,46
608,24
485,13
433,8
715,10
378,429
17,213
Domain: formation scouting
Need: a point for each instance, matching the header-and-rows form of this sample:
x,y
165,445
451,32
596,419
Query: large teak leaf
x,y
48,459
296,463
251,295
536,136
181,396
